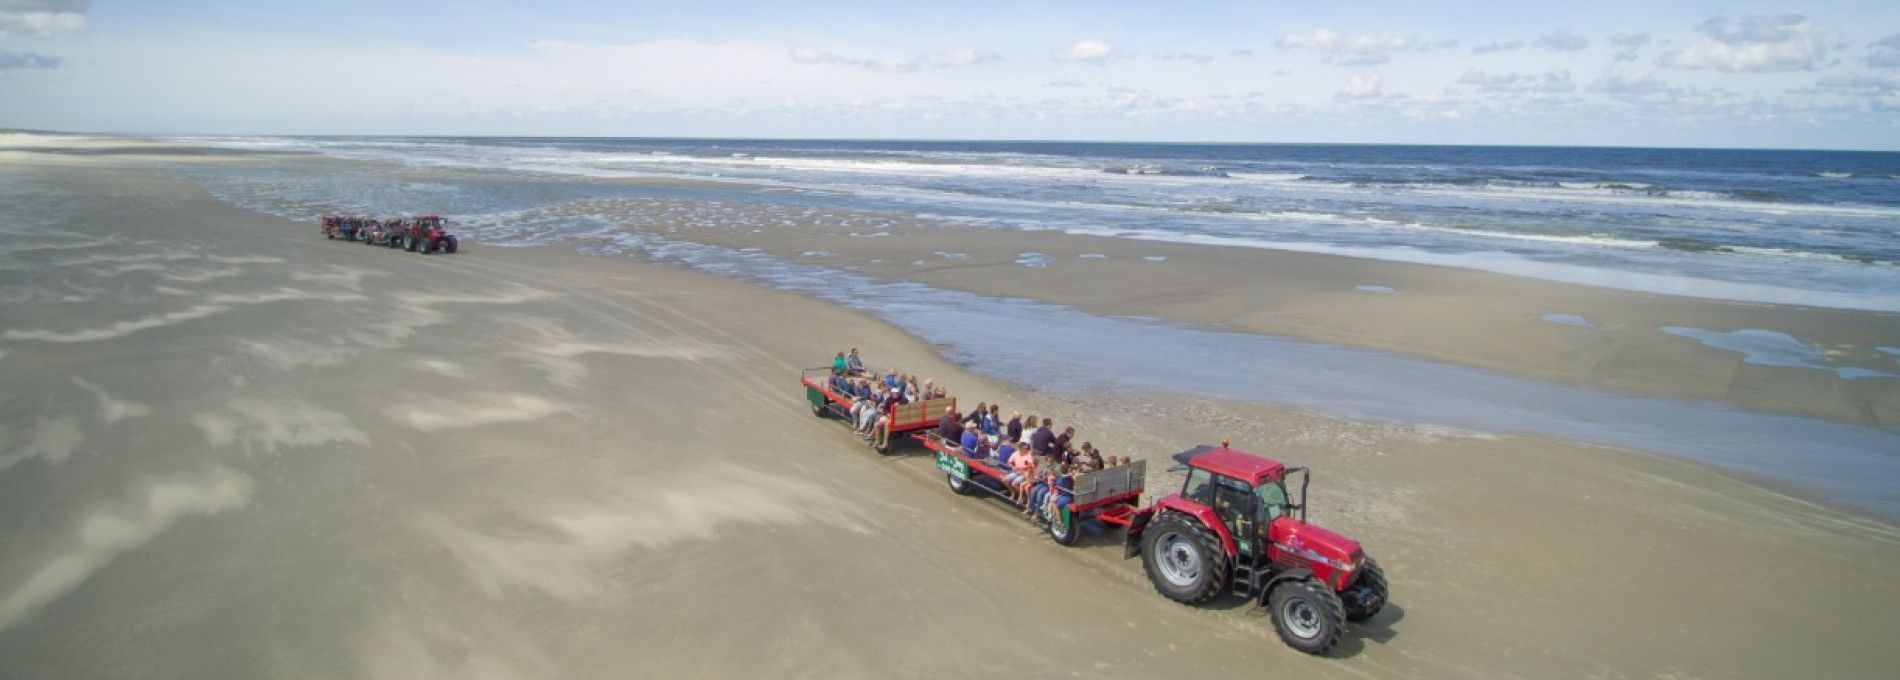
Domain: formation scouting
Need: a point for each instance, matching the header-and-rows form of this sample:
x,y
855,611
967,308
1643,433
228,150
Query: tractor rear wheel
x,y
1183,559
1307,615
1371,578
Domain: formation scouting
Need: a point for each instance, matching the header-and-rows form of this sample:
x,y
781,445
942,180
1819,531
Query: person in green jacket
x,y
837,364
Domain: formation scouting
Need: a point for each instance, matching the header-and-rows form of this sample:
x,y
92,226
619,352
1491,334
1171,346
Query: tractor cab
x,y
1261,525
1246,492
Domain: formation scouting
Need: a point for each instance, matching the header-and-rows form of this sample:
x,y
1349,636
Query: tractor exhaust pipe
x,y
1306,478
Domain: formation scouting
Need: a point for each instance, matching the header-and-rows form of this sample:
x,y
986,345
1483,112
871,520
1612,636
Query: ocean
x,y
1797,227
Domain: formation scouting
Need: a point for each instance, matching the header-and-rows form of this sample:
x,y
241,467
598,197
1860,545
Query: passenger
x,y
1063,486
1022,463
890,379
863,388
866,414
837,364
1029,429
970,440
1043,440
1090,459
1044,477
994,423
975,419
854,363
1061,445
940,393
982,450
1000,456
948,428
1015,429
881,430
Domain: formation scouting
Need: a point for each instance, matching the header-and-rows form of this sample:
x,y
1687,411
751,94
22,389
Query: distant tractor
x,y
1232,529
429,234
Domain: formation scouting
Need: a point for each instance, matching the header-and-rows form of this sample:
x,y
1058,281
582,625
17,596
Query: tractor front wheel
x,y
1183,559
449,245
1368,593
1307,615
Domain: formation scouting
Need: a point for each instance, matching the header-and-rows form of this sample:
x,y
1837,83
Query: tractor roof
x,y
1231,462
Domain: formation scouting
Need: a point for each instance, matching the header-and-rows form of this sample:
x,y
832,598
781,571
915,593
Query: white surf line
x,y
117,527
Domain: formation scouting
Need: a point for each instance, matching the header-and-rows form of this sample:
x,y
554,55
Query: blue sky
x,y
1732,74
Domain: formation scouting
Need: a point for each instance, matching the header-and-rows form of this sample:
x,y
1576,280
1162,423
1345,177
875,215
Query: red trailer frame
x,y
1111,496
911,417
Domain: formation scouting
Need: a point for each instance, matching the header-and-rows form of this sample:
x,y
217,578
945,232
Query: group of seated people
x,y
875,395
1040,464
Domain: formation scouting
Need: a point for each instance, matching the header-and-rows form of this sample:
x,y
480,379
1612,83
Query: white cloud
x,y
1090,50
1495,46
1860,84
1886,52
1629,39
1067,82
968,56
1185,56
27,60
1548,83
42,18
1327,40
1242,53
1362,86
1753,44
1630,84
1562,41
1359,59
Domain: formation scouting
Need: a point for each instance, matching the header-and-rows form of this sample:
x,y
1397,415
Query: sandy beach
x,y
231,448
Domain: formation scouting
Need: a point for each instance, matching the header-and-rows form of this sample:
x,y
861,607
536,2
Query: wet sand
x,y
1443,314
235,449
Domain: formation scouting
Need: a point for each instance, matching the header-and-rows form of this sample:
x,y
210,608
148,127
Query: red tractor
x,y
429,234
1232,529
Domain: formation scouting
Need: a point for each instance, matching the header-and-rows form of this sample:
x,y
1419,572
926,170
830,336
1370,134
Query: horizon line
x,y
985,140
